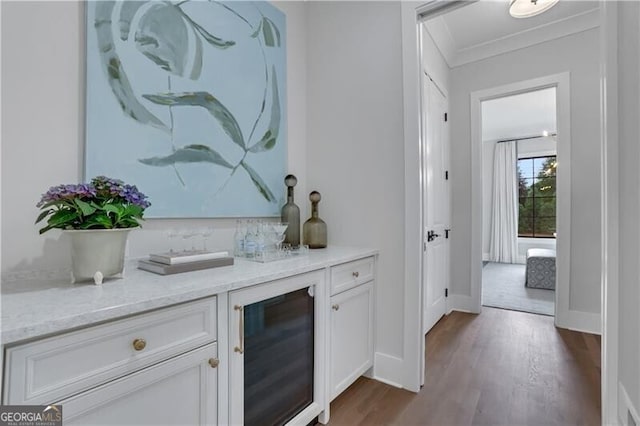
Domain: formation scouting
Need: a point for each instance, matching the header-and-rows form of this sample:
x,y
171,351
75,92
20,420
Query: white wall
x,y
524,114
355,154
526,148
42,129
629,213
349,147
578,55
537,147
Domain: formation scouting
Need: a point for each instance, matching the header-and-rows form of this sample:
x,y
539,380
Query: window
x,y
537,196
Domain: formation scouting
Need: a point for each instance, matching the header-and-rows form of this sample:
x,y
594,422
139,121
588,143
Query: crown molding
x,y
441,34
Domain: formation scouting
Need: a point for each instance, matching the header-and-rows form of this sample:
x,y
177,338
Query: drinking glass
x,y
279,229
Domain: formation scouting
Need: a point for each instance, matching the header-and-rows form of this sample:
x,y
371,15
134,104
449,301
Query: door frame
x,y
412,14
562,83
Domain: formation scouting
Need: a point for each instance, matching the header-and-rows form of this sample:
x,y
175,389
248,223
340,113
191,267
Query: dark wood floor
x,y
498,368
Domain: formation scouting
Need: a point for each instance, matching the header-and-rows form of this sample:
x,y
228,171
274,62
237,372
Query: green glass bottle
x,y
315,230
291,214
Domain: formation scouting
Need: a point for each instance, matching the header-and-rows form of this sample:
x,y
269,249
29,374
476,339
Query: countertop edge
x,y
45,328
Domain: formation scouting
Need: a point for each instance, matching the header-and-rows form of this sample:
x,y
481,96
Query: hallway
x,y
498,368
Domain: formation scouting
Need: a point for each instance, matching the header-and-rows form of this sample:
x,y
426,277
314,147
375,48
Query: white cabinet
x,y
179,391
190,363
352,321
50,369
351,336
155,368
351,274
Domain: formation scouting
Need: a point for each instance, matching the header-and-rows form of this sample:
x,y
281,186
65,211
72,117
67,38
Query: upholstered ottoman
x,y
541,269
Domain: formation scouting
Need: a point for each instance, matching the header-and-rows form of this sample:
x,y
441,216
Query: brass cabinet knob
x,y
335,307
356,274
139,344
214,362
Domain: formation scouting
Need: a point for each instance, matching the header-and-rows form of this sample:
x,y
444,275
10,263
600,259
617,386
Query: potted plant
x,y
98,216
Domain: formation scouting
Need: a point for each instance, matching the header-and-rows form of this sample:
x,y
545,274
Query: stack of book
x,y
175,262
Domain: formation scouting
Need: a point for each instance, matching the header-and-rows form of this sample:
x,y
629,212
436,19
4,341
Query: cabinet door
x,y
351,336
179,391
57,367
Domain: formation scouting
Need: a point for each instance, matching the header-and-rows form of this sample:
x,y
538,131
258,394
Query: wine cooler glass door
x,y
278,358
277,346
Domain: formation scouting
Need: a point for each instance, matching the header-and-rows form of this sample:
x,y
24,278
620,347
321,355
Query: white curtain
x,y
504,220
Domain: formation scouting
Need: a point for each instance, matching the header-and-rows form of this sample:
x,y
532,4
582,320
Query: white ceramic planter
x,y
97,254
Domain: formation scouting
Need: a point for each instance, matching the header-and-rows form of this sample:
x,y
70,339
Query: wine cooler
x,y
277,352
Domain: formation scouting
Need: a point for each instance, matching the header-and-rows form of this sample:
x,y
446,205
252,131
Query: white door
x,y
436,208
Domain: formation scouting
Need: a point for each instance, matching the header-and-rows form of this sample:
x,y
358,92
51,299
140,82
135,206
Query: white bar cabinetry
x,y
130,371
352,323
108,359
351,336
180,391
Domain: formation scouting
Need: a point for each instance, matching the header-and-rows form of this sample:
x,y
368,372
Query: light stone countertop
x,y
39,307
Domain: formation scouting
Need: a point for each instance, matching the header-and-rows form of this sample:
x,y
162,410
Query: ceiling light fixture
x,y
529,8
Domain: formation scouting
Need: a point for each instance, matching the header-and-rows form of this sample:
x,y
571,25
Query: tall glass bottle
x,y
238,239
250,240
291,214
315,230
260,240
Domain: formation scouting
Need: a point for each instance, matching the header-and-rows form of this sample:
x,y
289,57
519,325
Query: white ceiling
x,y
485,28
527,114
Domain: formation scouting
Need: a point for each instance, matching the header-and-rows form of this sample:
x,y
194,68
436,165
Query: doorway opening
x,y
519,223
466,278
557,88
463,72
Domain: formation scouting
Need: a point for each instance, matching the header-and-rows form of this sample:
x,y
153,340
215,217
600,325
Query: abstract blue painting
x,y
187,100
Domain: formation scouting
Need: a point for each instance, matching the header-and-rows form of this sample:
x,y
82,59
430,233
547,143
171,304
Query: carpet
x,y
503,287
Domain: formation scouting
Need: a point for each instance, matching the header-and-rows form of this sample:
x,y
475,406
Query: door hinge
x,y
446,233
446,175
424,246
446,292
446,117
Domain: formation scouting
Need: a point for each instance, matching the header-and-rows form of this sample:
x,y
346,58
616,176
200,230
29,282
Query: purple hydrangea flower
x,y
100,193
67,192
107,186
131,194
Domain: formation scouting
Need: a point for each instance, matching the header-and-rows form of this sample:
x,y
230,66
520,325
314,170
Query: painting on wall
x,y
188,101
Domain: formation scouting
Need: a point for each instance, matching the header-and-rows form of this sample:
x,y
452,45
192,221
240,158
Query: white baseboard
x,y
388,369
457,302
586,322
521,259
625,407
